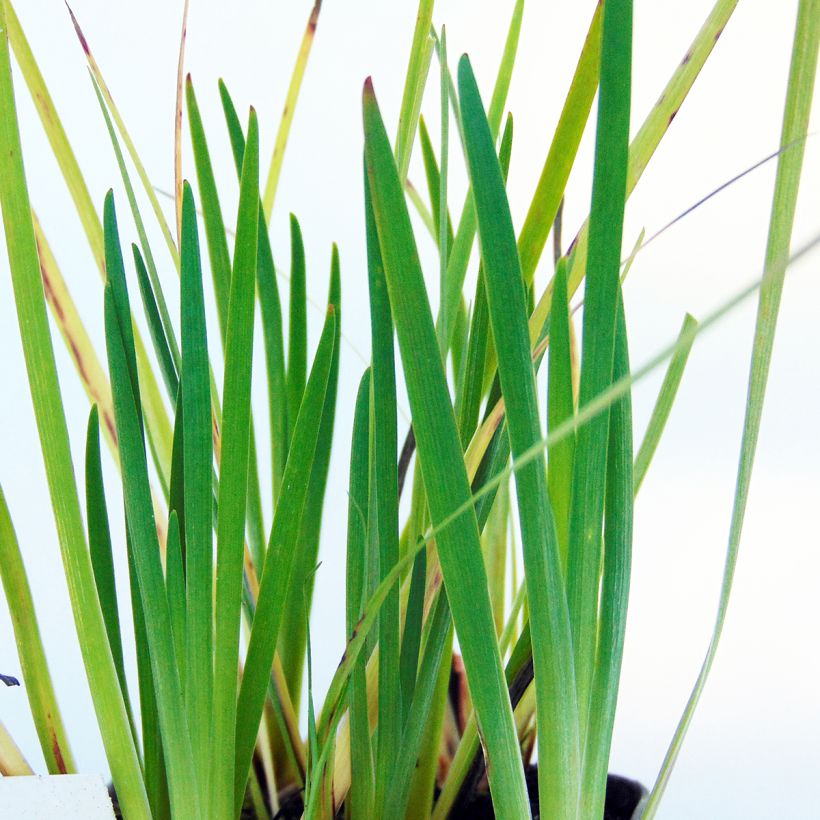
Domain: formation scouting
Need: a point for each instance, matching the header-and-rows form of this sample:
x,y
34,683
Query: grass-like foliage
x,y
221,598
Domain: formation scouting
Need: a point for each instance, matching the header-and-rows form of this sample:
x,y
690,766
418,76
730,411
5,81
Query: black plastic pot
x,y
622,798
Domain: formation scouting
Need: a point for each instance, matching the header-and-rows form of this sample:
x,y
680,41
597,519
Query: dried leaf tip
x,y
83,41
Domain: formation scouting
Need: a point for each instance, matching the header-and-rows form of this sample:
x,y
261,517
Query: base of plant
x,y
622,799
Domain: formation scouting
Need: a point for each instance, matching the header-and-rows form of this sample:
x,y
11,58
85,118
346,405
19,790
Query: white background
x,y
753,749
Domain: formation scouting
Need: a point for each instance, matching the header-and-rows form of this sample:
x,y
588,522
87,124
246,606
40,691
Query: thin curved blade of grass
x,y
443,468
233,483
562,152
12,762
67,318
176,740
418,66
197,486
297,327
293,638
384,503
799,94
102,559
178,126
149,303
53,127
158,295
42,700
360,799
129,144
559,750
560,407
35,337
465,233
598,342
614,588
646,141
663,406
215,233
280,557
289,109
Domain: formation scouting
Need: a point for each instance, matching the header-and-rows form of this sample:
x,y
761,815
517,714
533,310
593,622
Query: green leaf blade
x,y
559,753
233,481
443,468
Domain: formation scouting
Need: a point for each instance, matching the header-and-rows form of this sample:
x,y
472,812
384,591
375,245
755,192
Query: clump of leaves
x,y
221,598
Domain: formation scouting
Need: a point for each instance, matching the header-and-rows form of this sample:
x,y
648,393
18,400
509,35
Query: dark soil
x,y
622,798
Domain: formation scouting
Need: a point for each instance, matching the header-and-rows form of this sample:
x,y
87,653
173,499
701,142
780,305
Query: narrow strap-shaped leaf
x,y
562,152
279,562
799,94
560,407
421,52
271,312
465,233
77,340
198,486
159,297
167,365
433,175
129,143
178,181
559,754
57,138
419,710
175,586
35,337
233,482
411,634
270,308
289,109
153,764
614,587
293,638
384,490
443,467
99,544
215,234
480,341
361,758
664,403
297,329
45,711
142,531
598,343
649,136
159,430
